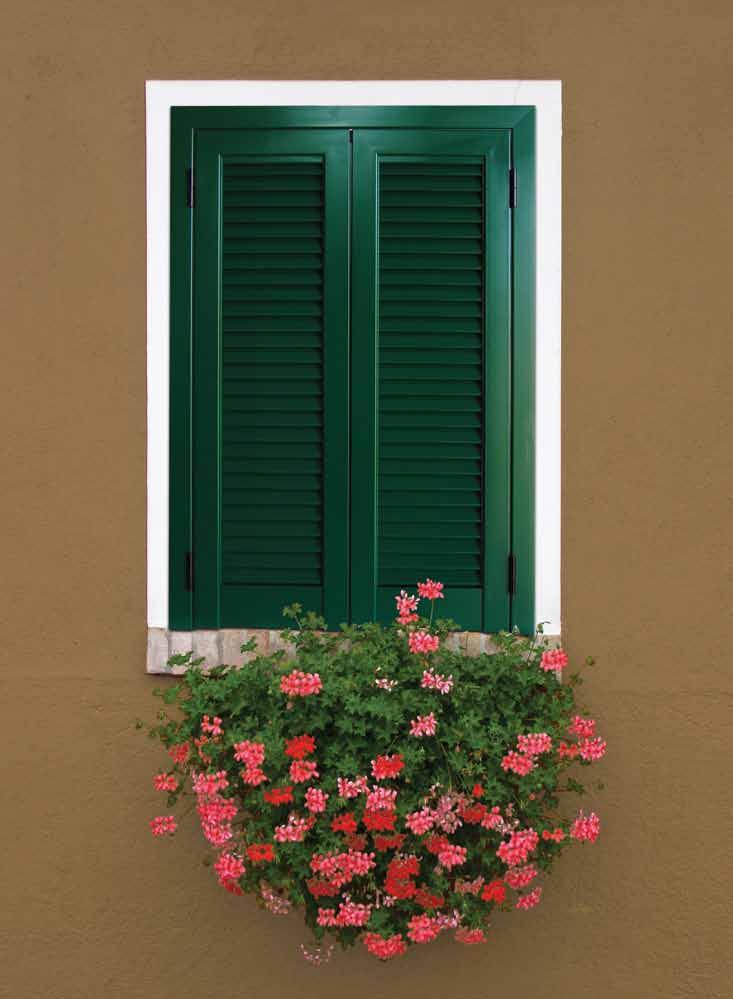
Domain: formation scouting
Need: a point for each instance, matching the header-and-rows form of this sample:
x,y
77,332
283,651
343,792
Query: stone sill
x,y
223,646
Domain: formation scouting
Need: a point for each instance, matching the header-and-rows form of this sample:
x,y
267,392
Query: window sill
x,y
223,646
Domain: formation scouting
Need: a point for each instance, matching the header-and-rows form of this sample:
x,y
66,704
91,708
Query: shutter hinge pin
x,y
511,579
188,573
351,135
512,188
189,187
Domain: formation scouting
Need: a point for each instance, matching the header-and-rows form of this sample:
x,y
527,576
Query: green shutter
x,y
270,364
431,285
348,359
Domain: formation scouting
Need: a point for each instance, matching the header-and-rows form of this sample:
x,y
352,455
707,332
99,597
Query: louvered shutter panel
x,y
431,328
271,327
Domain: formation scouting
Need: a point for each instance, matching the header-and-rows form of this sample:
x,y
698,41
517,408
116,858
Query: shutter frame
x,y
188,124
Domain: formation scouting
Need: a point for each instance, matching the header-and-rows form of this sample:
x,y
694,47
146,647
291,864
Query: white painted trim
x,y
546,97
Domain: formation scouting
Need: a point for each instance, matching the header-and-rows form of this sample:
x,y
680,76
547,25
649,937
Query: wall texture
x,y
93,905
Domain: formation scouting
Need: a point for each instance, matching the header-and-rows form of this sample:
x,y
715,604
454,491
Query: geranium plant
x,y
380,780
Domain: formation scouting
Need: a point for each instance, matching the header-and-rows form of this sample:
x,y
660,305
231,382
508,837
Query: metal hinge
x,y
511,574
512,188
188,573
189,187
351,135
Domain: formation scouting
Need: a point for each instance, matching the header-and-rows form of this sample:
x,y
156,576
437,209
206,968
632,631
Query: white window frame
x,y
546,97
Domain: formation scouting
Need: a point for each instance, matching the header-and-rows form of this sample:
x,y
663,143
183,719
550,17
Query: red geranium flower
x,y
355,842
345,823
387,766
399,877
318,887
473,814
260,853
494,891
394,842
379,821
428,901
435,844
300,746
279,795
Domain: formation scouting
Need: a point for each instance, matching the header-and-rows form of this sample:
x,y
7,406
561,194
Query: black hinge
x,y
512,188
511,574
189,187
188,573
351,135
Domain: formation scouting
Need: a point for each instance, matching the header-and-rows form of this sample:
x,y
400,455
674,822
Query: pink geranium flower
x,y
211,726
534,743
518,763
436,681
465,936
352,788
163,825
384,948
250,753
586,828
553,660
529,901
301,771
423,642
452,856
423,725
165,782
584,728
420,822
300,684
229,868
517,849
592,749
430,590
423,929
406,607
315,800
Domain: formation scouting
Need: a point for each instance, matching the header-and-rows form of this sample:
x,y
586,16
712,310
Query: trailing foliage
x,y
383,782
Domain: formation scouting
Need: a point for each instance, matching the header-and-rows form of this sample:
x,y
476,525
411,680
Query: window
x,y
352,391
342,291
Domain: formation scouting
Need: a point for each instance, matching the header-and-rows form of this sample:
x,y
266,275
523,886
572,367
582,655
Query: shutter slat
x,y
435,293
446,261
431,279
261,295
245,200
276,530
435,197
290,498
259,435
270,324
289,262
431,169
426,239
270,354
287,183
272,381
431,408
235,574
250,424
270,544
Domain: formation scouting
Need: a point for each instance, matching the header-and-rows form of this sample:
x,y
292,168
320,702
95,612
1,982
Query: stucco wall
x,y
93,905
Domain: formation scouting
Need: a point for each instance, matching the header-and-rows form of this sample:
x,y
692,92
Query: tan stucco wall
x,y
93,906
